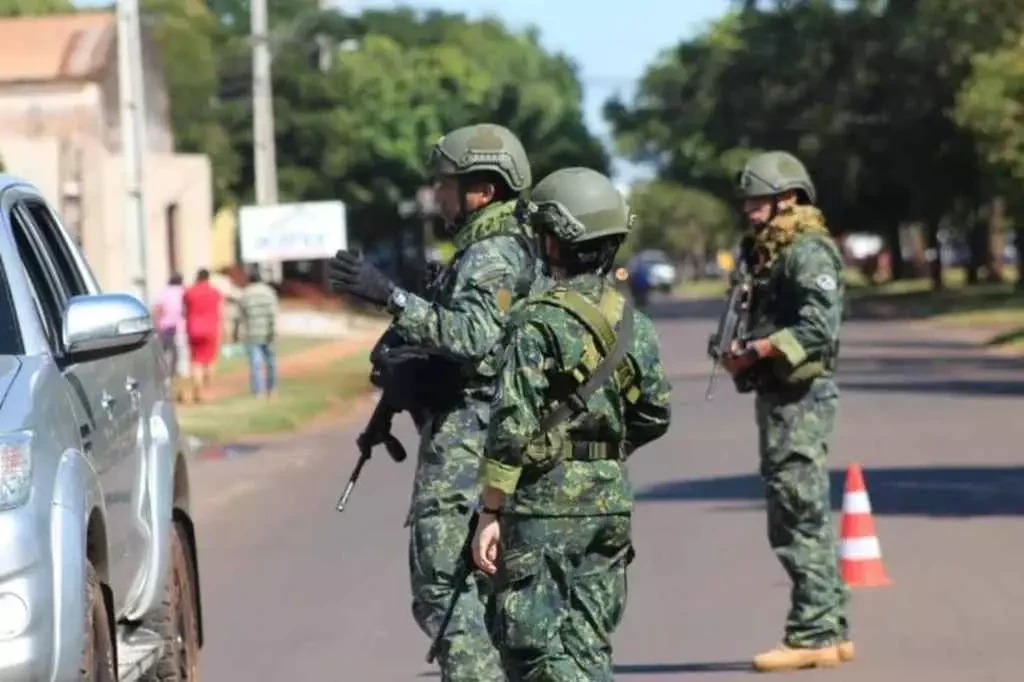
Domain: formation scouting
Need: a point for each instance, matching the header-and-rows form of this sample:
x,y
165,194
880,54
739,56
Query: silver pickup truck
x,y
99,575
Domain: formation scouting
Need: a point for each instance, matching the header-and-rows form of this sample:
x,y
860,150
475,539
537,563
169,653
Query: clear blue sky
x,y
611,41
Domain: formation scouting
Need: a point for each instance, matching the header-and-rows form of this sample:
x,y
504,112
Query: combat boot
x,y
846,650
785,657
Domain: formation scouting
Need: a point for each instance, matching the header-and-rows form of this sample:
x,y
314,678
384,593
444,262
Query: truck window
x,y
50,231
48,288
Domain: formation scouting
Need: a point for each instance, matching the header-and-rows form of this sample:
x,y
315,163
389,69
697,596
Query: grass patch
x,y
702,288
300,399
1011,338
996,308
957,303
284,346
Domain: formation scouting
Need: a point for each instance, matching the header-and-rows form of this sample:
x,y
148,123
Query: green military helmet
x,y
773,173
579,204
482,147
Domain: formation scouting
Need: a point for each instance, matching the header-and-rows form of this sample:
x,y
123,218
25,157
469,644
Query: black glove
x,y
350,274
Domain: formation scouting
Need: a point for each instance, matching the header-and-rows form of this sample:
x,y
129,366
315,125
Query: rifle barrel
x,y
709,393
364,455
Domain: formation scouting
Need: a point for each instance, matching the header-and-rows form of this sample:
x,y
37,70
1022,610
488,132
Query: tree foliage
x,y
358,100
684,222
905,113
31,8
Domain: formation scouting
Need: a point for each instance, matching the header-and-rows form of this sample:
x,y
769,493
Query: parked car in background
x,y
654,267
99,576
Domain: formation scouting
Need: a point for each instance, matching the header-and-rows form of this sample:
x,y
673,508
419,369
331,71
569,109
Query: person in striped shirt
x,y
256,328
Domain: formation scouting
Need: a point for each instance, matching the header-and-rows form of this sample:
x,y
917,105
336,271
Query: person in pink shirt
x,y
169,319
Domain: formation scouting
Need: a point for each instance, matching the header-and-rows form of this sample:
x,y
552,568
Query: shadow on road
x,y
956,374
669,668
908,344
938,374
925,491
227,450
989,388
934,365
662,668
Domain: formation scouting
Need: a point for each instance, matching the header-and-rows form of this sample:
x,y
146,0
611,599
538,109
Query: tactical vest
x,y
601,321
528,275
515,226
768,294
480,373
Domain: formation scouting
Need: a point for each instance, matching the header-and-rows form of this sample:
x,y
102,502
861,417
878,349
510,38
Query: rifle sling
x,y
578,399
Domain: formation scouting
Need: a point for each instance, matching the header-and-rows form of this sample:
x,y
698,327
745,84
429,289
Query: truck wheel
x,y
98,649
175,619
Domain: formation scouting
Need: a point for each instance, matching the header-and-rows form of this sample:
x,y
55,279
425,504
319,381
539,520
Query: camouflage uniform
x,y
797,300
566,529
463,319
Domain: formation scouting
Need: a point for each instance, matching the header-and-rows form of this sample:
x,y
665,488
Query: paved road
x,y
295,592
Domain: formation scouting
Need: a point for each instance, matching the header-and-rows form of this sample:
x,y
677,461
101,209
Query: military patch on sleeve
x,y
826,282
504,297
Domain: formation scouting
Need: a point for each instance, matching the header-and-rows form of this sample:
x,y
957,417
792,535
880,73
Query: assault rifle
x,y
378,429
733,325
397,370
377,432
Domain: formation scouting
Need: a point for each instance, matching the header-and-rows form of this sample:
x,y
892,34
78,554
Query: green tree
x,y
360,129
688,224
991,105
27,8
863,92
188,36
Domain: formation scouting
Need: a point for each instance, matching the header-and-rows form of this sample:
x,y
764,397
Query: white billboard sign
x,y
285,232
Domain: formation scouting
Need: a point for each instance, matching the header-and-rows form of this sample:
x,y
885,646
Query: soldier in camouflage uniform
x,y
562,491
481,171
796,310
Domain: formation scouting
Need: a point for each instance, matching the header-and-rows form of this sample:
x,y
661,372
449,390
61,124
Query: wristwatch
x,y
397,301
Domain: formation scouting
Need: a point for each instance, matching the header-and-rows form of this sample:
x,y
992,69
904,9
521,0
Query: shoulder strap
x,y
589,315
614,346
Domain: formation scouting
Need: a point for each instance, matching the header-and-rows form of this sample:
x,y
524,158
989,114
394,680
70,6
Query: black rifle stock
x,y
377,432
732,325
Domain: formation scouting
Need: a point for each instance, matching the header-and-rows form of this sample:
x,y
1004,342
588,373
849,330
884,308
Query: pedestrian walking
x,y
257,331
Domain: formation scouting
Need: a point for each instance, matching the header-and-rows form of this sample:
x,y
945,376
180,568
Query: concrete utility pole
x,y
133,139
264,152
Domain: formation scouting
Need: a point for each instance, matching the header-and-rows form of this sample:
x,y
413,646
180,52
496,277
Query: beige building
x,y
60,129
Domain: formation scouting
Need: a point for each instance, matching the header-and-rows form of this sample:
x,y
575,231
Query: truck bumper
x,y
26,600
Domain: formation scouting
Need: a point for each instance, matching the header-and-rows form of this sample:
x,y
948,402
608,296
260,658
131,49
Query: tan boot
x,y
785,657
846,650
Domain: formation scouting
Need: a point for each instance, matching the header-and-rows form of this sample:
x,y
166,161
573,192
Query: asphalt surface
x,y
295,592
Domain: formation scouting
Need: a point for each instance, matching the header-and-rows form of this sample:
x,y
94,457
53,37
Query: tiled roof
x,y
56,48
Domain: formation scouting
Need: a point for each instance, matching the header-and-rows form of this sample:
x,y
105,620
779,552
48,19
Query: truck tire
x,y
176,619
98,649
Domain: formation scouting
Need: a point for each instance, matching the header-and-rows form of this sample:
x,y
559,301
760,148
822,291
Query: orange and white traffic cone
x,y
860,554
